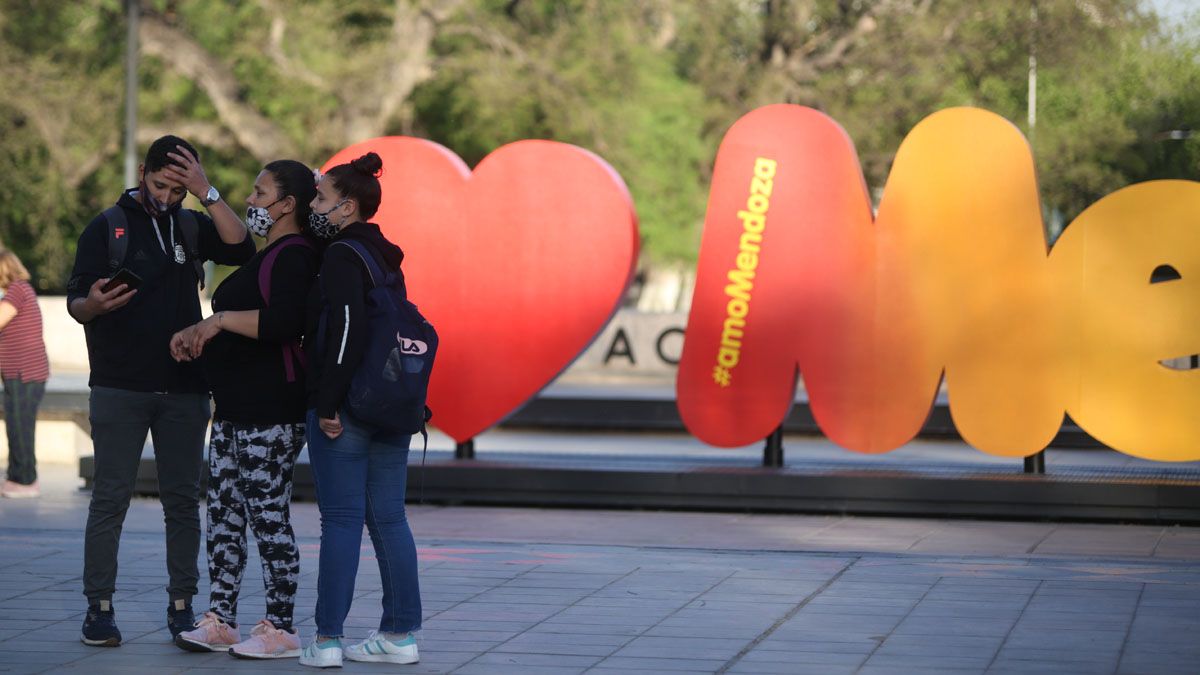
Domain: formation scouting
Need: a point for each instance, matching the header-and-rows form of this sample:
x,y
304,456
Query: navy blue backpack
x,y
390,387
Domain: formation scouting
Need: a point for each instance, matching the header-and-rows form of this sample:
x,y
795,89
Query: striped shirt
x,y
22,349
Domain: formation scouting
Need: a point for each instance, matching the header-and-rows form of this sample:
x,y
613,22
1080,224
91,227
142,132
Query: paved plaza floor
x,y
532,591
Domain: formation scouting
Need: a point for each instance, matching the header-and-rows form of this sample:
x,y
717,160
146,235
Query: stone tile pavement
x,y
534,591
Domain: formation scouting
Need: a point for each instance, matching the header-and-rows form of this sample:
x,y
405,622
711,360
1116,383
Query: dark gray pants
x,y
21,401
120,420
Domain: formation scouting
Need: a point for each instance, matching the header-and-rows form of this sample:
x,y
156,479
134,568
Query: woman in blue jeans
x,y
360,471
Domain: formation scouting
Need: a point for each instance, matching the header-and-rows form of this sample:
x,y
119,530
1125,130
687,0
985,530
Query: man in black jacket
x,y
136,387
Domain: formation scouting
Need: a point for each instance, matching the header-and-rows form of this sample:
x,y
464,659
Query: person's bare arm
x,y
8,312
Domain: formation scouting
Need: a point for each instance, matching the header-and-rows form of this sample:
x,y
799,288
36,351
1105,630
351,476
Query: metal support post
x,y
773,450
132,18
1036,463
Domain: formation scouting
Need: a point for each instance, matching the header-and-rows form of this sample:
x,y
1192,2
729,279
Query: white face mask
x,y
259,220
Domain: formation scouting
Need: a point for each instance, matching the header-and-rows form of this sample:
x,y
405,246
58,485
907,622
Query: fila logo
x,y
408,346
118,232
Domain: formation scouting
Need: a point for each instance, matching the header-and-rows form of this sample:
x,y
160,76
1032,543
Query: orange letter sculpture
x,y
952,277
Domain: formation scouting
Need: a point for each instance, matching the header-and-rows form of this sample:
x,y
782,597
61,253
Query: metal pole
x,y
1036,463
773,450
1032,102
132,18
465,450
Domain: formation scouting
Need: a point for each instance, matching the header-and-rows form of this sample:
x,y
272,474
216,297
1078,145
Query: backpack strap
x,y
378,276
190,228
268,265
424,450
118,237
292,353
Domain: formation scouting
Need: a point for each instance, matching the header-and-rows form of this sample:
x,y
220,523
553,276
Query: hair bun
x,y
370,164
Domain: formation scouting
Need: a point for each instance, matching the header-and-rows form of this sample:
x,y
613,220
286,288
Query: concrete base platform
x,y
673,471
1082,496
621,444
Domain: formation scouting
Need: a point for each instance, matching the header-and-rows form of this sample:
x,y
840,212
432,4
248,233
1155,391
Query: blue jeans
x,y
360,477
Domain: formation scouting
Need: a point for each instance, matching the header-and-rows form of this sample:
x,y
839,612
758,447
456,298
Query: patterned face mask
x,y
155,208
320,224
259,220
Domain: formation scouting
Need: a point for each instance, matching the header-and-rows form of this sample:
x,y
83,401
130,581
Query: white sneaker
x,y
327,654
378,649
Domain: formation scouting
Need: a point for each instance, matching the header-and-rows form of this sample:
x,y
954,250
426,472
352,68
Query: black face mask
x,y
155,208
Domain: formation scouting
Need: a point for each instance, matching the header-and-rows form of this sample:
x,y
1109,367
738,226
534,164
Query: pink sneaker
x,y
267,642
17,491
211,634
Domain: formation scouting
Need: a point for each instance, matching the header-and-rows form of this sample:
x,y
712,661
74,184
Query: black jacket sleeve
x,y
213,248
345,336
91,259
291,280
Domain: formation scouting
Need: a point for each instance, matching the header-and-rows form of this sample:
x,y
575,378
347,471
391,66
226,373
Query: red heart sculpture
x,y
519,265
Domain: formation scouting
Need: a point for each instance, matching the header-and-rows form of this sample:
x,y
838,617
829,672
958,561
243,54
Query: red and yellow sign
x,y
952,277
519,264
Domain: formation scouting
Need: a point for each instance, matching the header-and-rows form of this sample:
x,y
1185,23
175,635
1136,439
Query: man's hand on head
x,y
188,171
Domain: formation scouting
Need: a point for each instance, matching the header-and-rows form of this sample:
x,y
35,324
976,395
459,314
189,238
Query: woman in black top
x,y
360,470
252,358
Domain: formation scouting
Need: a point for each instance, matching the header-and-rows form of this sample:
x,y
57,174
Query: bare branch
x,y
79,170
866,24
441,10
275,49
54,114
412,36
409,63
667,27
253,131
503,45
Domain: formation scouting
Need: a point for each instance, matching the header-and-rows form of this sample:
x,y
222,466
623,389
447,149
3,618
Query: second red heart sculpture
x,y
518,265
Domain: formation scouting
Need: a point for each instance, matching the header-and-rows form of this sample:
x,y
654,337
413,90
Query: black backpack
x,y
390,387
118,240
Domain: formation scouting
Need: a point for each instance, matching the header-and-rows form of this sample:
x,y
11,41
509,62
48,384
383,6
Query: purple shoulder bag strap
x,y
292,353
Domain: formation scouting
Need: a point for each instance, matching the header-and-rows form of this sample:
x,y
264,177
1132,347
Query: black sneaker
x,y
180,617
100,626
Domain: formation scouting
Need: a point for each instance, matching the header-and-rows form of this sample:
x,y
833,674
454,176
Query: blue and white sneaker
x,y
379,649
326,654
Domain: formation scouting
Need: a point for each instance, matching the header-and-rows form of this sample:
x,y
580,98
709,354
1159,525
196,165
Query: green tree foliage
x,y
1111,77
584,72
650,85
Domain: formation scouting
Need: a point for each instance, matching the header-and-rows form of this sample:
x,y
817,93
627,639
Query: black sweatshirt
x,y
341,294
129,348
249,377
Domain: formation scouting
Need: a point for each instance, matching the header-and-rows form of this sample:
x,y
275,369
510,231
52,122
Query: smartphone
x,y
123,276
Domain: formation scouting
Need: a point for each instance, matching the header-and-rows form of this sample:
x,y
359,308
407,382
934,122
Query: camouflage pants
x,y
250,483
